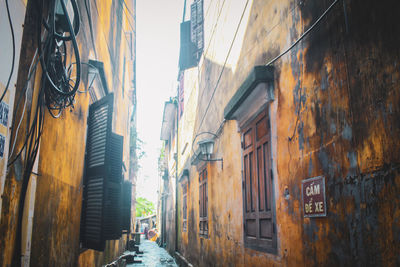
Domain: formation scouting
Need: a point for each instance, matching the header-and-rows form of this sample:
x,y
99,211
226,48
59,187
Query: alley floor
x,y
153,256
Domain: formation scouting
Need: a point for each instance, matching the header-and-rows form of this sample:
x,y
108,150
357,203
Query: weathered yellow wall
x,y
12,185
17,12
56,221
109,36
335,114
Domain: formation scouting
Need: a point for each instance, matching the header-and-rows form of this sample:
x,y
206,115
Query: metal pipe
x,y
176,171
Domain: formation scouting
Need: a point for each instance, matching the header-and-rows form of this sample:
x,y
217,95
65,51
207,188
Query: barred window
x,y
203,202
184,207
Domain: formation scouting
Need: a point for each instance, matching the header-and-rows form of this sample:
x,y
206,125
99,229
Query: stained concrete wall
x,y
60,164
17,14
335,114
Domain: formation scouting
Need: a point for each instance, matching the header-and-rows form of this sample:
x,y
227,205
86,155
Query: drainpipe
x,y
176,171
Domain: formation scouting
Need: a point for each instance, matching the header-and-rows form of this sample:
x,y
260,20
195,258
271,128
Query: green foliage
x,y
144,207
136,148
161,161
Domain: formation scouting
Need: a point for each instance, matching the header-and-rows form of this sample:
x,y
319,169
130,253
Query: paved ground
x,y
153,256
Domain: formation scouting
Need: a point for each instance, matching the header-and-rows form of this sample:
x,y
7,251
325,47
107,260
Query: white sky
x,y
157,41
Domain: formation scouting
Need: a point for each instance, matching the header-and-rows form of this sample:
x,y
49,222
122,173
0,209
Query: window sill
x,y
269,250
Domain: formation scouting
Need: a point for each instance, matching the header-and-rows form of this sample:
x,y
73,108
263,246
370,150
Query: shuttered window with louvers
x,y
113,197
126,205
101,216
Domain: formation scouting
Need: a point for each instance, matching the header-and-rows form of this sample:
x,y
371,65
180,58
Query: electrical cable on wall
x,y
56,91
108,45
274,59
304,34
127,18
13,53
223,67
129,11
32,70
60,88
89,15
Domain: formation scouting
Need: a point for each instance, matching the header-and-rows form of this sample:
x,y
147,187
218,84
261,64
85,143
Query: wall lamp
x,y
206,149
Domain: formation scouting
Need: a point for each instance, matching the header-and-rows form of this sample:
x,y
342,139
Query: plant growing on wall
x,y
162,161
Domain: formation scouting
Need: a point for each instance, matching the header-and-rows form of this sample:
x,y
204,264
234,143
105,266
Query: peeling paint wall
x,y
17,14
336,113
58,197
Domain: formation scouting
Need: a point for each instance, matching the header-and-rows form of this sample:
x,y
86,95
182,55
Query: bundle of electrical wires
x,y
58,85
61,82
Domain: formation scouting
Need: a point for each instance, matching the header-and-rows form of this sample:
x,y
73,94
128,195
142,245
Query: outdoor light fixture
x,y
97,84
92,74
206,149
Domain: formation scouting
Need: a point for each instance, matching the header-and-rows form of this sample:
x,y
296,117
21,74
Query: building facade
x,y
300,100
68,163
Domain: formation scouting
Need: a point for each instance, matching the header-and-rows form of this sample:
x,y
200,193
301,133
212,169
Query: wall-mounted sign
x,y
314,201
4,113
2,144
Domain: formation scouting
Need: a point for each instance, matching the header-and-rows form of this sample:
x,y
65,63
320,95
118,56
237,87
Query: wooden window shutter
x,y
187,57
126,205
197,27
113,196
257,184
203,203
101,202
193,22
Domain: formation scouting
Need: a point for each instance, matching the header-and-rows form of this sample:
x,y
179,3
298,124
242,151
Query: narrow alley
x,y
153,256
149,254
238,133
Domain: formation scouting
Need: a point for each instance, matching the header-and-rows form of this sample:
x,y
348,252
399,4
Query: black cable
x,y
55,92
32,147
13,53
92,81
184,11
31,129
76,21
51,44
127,18
89,14
24,90
130,12
303,35
212,36
60,89
223,67
277,57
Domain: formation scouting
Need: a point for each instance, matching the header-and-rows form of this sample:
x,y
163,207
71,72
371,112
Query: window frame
x,y
184,206
102,181
256,153
203,203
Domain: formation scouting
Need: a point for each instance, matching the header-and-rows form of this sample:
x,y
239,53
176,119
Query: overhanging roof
x,y
248,92
100,67
169,117
184,175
